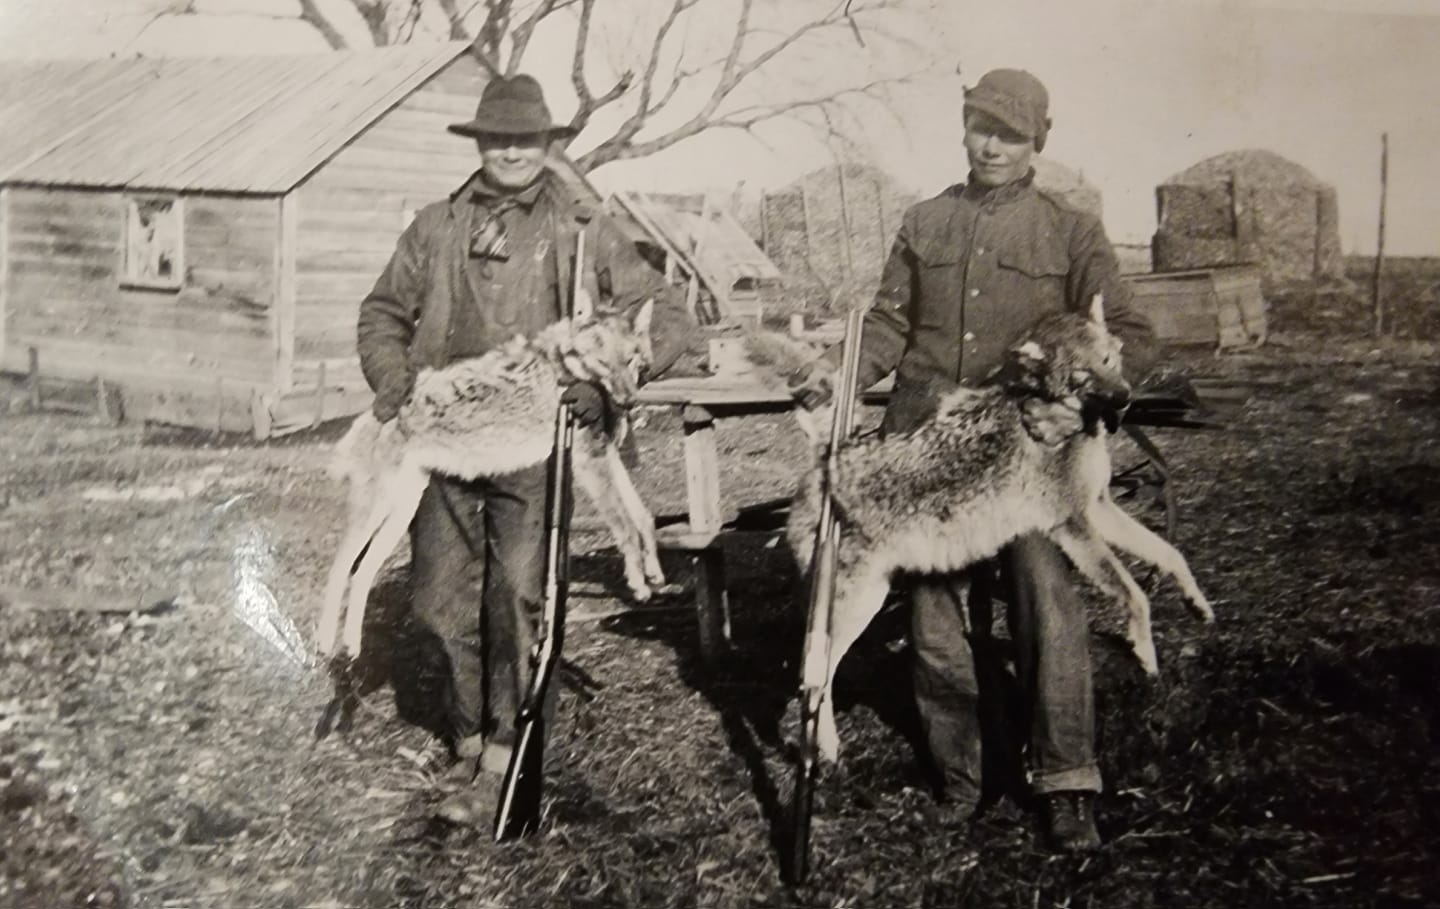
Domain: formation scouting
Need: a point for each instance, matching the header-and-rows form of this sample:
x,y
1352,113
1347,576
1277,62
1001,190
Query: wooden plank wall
x,y
4,265
66,300
352,211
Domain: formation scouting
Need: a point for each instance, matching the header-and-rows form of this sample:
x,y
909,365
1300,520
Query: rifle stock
x,y
815,660
518,813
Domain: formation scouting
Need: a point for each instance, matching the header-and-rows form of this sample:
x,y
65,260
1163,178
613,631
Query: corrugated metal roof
x,y
234,124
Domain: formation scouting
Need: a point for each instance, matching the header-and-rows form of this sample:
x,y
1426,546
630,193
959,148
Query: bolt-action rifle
x,y
815,664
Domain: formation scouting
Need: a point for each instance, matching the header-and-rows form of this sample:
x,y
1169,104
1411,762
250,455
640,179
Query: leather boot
x,y
1070,821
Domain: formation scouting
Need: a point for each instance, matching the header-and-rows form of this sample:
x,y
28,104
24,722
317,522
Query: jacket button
x,y
975,292
969,335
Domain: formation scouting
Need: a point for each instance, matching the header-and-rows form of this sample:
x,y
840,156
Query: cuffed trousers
x,y
1051,632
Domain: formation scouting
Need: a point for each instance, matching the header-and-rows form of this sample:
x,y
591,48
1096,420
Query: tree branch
x,y
456,18
521,34
311,14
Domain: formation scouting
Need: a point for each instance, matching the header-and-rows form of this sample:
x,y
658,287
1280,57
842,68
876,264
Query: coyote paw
x,y
1201,607
640,592
1145,653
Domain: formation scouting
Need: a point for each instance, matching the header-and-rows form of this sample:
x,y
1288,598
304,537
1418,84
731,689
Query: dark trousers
x,y
478,573
1052,660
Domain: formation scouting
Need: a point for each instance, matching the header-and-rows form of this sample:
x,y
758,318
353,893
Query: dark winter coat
x,y
433,303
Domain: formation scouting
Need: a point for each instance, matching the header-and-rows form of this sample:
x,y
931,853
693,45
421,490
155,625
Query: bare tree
x,y
690,85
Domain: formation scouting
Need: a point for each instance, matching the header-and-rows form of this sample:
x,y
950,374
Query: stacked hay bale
x,y
830,231
1250,207
1069,186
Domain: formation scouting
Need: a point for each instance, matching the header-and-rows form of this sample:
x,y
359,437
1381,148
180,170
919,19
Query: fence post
x,y
1377,304
34,378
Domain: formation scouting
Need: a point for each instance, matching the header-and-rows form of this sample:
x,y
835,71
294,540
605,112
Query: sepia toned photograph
x,y
719,454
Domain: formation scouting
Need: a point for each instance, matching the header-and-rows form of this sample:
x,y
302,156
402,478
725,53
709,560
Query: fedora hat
x,y
512,106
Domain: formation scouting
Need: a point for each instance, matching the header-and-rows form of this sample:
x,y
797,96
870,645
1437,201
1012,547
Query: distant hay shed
x,y
199,232
1250,207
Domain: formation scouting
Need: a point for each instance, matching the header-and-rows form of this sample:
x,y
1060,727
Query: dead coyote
x,y
487,416
959,487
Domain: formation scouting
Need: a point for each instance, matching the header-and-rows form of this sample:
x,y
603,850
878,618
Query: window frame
x,y
131,275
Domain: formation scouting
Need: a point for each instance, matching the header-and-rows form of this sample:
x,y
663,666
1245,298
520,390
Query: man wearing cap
x,y
970,271
470,272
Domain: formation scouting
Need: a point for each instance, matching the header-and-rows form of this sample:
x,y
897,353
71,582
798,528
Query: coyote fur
x,y
484,417
959,487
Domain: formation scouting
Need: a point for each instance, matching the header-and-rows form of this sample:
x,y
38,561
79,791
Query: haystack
x,y
1250,207
830,231
1070,186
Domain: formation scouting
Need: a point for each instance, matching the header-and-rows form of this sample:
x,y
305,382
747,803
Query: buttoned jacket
x,y
970,271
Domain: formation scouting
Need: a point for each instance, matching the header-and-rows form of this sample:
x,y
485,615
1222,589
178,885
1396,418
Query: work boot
x,y
1070,818
958,807
473,805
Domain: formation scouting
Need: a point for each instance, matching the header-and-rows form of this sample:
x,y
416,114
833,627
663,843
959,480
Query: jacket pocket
x,y
1035,263
940,270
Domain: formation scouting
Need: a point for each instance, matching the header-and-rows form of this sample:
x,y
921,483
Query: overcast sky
x,y
1140,91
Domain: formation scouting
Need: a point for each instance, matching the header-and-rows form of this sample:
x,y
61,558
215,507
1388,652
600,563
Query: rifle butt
x,y
518,813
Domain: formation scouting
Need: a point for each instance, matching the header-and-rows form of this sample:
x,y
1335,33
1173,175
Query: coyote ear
x,y
1097,309
641,321
1029,355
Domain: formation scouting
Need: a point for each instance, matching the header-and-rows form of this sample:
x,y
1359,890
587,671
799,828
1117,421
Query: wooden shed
x,y
706,244
199,232
1219,307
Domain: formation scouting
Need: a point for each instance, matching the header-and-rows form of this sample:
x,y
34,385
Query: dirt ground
x,y
156,715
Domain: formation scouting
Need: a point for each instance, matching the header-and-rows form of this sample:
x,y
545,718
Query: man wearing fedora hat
x,y
470,272
970,271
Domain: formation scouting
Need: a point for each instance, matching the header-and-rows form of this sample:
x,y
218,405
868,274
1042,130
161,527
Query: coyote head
x,y
612,351
1072,358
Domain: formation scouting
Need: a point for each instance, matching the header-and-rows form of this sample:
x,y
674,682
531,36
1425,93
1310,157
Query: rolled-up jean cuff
x,y
495,758
1078,779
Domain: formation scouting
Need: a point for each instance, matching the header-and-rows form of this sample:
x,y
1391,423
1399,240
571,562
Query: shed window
x,y
154,242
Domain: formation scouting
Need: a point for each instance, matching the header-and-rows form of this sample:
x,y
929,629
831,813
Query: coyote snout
x,y
958,488
485,417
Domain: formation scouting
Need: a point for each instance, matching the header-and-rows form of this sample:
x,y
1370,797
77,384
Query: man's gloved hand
x,y
588,403
392,395
1051,422
812,385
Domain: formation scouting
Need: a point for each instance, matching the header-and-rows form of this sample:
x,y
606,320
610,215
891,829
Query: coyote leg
x,y
1121,530
364,518
604,482
1096,561
641,519
397,501
860,590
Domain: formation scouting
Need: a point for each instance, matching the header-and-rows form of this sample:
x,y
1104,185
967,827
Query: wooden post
x,y
34,378
702,486
107,403
319,395
1377,304
260,419
845,225
219,404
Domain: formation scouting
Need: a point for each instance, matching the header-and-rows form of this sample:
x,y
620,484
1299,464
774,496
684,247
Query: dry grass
x,y
1287,757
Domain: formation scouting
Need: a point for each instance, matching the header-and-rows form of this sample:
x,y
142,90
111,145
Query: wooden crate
x,y
1219,306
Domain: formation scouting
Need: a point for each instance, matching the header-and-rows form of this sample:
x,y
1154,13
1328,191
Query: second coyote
x,y
959,487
